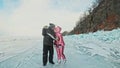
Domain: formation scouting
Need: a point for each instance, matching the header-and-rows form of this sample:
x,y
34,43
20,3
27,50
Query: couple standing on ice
x,y
52,36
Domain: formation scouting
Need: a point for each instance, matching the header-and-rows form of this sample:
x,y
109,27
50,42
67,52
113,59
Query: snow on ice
x,y
93,50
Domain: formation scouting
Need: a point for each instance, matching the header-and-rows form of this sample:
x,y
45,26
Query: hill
x,y
103,15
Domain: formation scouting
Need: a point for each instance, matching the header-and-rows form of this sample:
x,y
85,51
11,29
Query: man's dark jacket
x,y
47,39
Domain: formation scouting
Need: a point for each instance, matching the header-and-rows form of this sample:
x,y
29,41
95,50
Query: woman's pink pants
x,y
60,52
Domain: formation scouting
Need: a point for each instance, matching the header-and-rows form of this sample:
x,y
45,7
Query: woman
x,y
59,42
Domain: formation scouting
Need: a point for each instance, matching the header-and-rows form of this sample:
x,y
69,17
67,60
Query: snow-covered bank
x,y
102,43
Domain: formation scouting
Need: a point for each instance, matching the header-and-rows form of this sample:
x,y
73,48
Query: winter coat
x,y
59,37
47,40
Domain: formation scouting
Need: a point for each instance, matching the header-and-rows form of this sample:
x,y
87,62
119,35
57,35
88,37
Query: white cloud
x,y
29,18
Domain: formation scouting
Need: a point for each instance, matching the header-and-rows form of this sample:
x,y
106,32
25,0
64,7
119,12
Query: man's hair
x,y
45,27
51,25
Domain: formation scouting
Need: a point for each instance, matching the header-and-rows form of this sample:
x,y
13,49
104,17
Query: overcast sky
x,y
27,17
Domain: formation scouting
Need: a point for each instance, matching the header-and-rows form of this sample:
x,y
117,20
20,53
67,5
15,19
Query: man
x,y
48,44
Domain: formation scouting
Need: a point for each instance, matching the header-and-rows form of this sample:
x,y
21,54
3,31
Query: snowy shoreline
x,y
102,43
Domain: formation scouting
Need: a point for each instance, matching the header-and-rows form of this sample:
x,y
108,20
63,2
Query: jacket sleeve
x,y
44,32
50,31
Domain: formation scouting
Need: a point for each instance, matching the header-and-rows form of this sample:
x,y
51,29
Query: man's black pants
x,y
46,49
